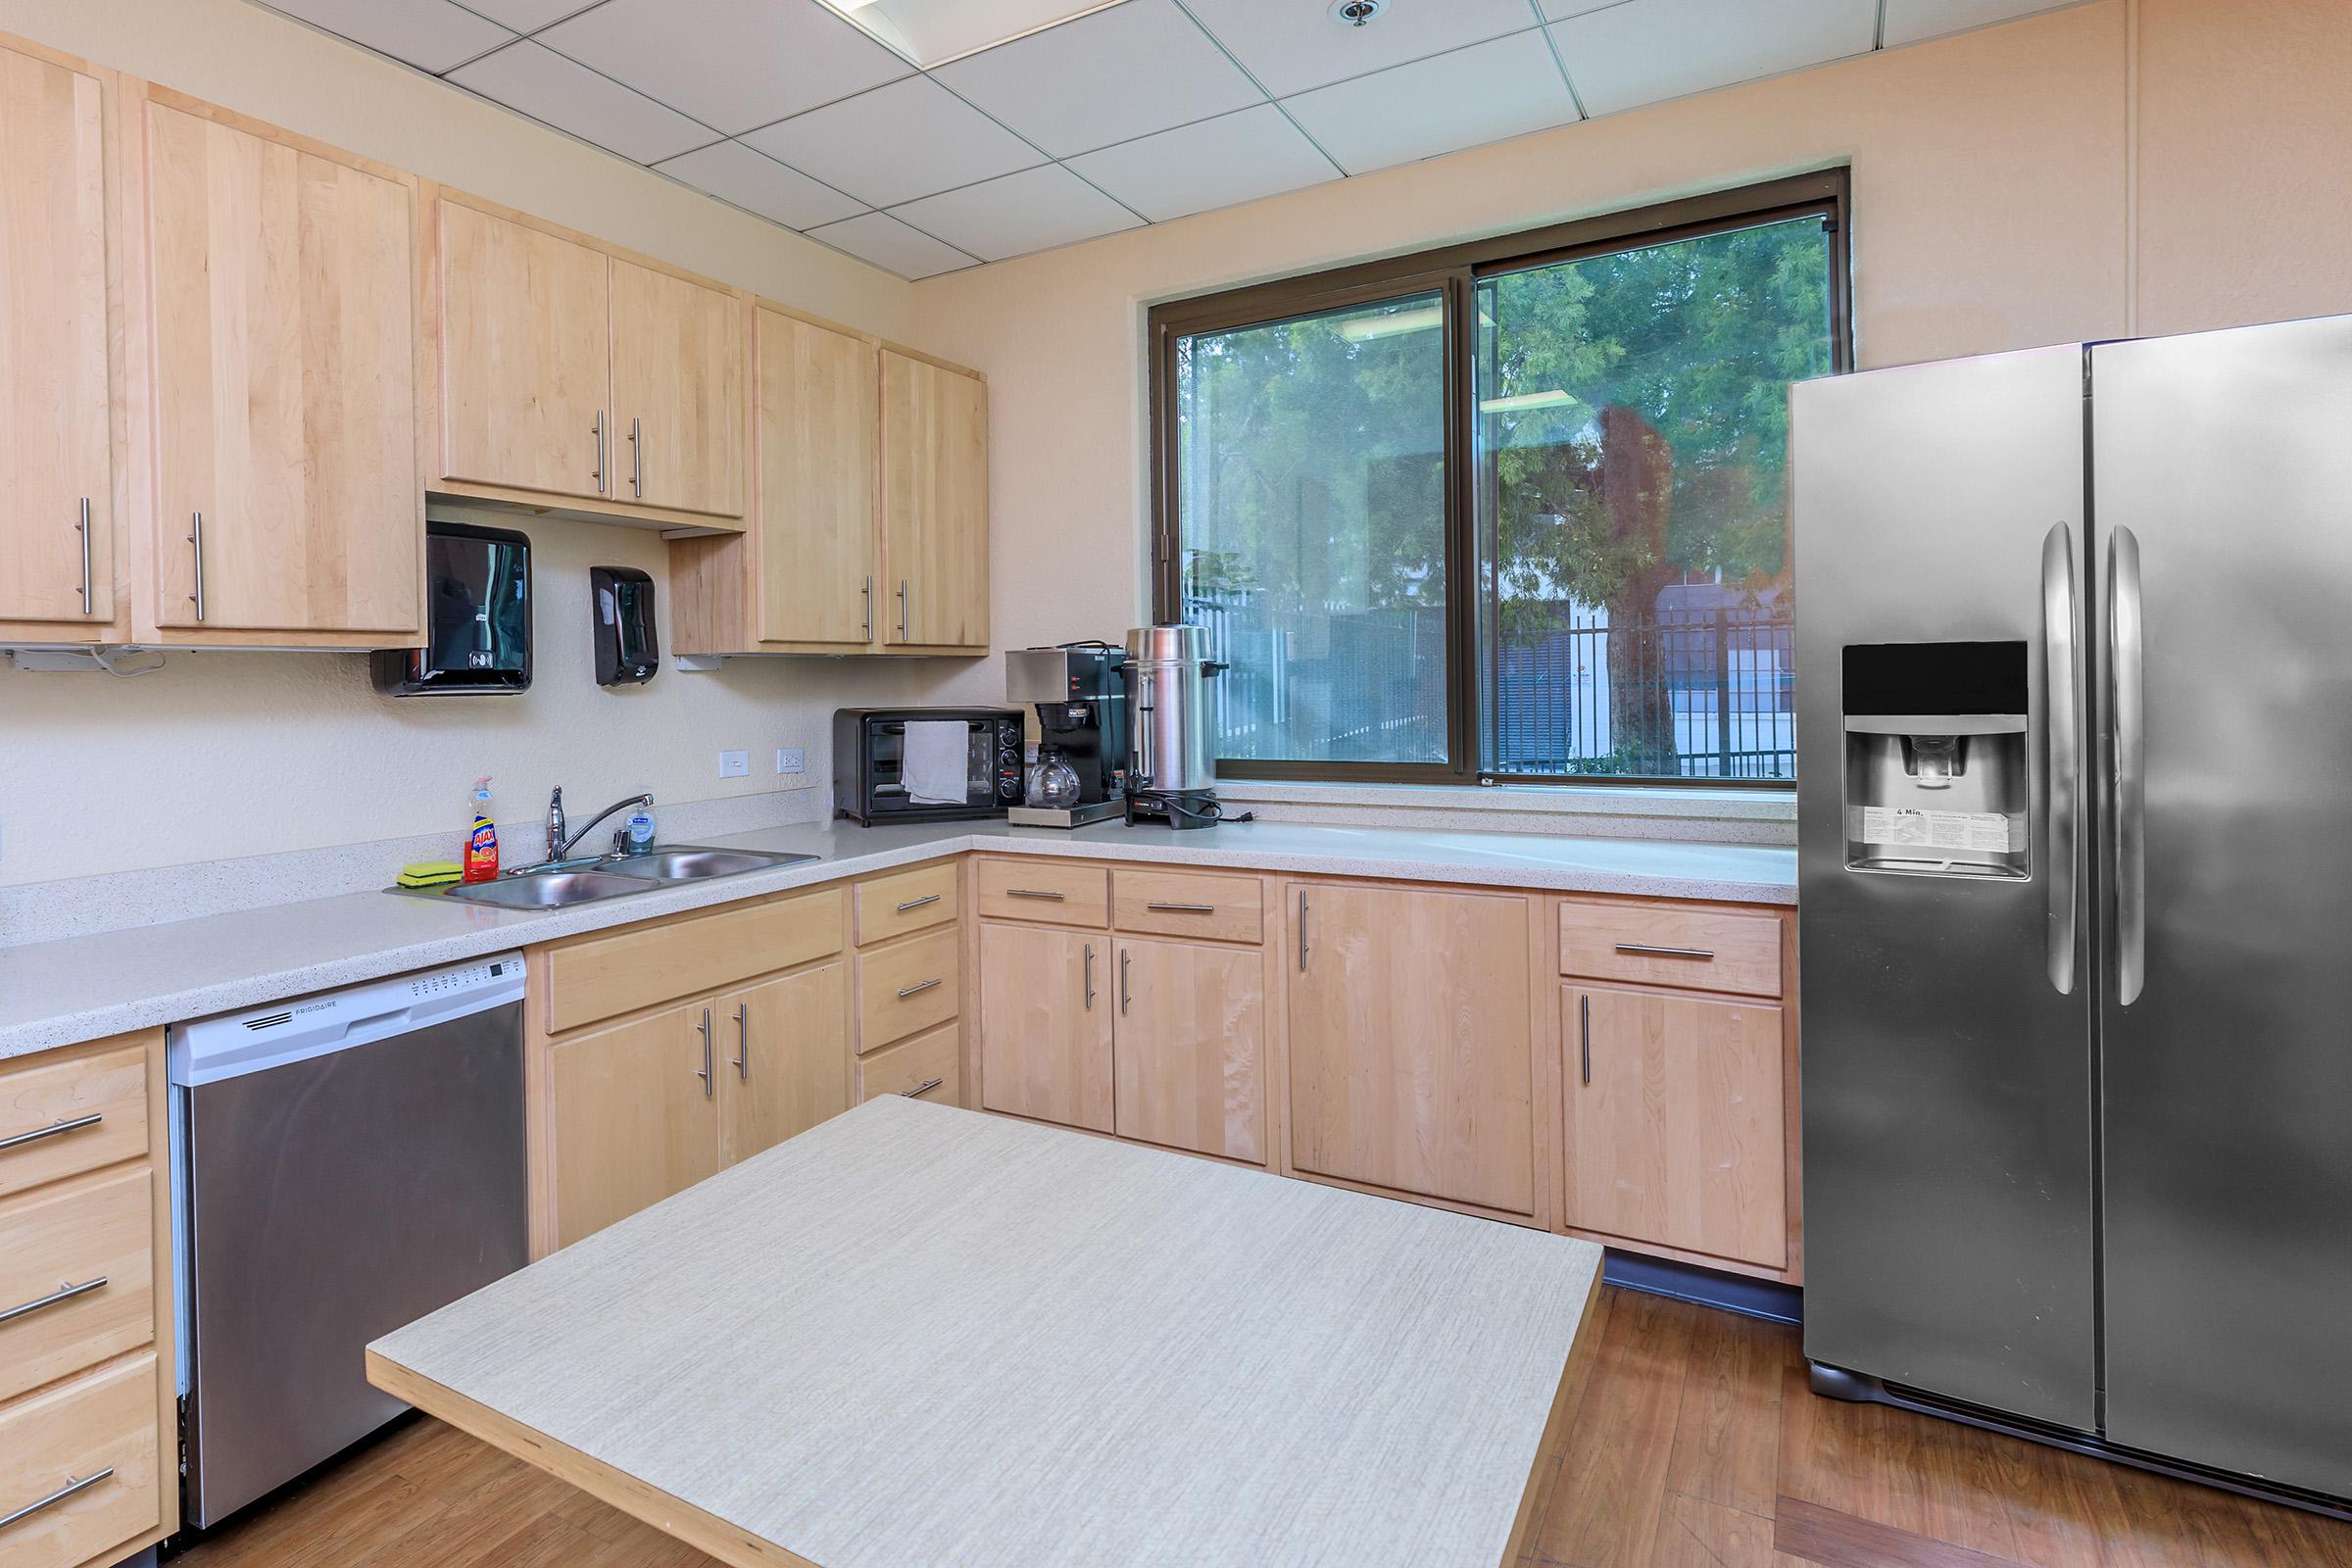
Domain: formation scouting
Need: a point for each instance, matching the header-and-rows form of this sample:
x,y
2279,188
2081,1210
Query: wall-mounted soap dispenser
x,y
621,601
1935,761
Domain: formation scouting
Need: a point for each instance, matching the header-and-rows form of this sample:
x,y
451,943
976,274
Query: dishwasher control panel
x,y
276,1034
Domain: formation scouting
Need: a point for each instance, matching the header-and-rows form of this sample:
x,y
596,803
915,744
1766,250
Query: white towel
x,y
934,765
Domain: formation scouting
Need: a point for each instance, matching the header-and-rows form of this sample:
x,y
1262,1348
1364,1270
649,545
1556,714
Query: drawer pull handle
x,y
916,903
919,989
1644,950
63,1292
54,1129
70,1487
1035,893
923,1088
1181,908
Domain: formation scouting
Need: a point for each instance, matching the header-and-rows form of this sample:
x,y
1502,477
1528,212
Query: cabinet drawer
x,y
642,965
76,1272
1661,945
100,1429
1188,904
930,1066
1060,893
908,986
906,901
60,1118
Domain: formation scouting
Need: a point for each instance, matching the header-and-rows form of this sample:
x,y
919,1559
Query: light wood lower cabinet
x,y
100,1425
1044,1024
1187,1047
86,1248
1411,1064
635,1116
1675,1117
930,1066
788,1068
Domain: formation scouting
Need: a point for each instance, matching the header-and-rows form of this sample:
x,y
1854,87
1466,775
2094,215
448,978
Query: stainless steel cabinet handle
x,y
923,1088
1181,908
1035,893
53,1129
87,587
70,1487
1649,951
916,903
903,636
869,607
919,989
2127,676
1125,954
1089,977
2062,710
743,1041
1303,930
196,538
706,1074
596,474
637,458
63,1292
1584,1035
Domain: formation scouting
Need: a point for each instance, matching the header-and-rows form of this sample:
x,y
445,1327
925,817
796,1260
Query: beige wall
x,y
1997,177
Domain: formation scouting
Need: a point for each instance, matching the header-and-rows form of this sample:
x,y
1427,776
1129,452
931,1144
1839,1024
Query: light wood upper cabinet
x,y
283,344
525,356
1189,1047
635,1117
816,543
1045,1025
1675,1119
57,535
1409,1043
677,392
934,505
783,1059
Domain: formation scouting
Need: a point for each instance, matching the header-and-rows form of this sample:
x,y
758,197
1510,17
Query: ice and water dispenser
x,y
1936,759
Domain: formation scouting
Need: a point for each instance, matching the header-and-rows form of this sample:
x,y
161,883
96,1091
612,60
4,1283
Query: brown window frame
x,y
1453,273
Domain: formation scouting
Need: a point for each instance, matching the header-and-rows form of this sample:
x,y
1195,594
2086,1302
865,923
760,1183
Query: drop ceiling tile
x,y
1292,45
734,172
912,138
1116,75
1503,87
429,34
883,240
1647,50
1032,210
546,87
1911,21
527,15
732,64
1216,163
1556,10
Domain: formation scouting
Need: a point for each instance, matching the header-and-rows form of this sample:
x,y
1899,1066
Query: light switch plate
x,y
734,764
791,759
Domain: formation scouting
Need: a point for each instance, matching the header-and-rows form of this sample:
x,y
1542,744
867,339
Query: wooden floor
x,y
1695,1442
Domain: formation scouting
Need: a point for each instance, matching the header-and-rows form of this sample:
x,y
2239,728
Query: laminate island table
x,y
916,1336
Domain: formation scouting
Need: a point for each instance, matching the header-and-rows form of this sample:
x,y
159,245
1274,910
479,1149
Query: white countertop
x,y
922,1335
89,987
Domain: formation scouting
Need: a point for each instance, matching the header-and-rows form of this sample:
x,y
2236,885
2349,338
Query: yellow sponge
x,y
430,874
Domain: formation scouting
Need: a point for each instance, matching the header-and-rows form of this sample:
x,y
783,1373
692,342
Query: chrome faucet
x,y
560,842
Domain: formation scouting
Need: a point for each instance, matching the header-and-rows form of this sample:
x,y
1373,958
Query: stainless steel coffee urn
x,y
1172,764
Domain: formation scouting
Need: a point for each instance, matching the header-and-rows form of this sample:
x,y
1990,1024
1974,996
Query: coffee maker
x,y
1080,693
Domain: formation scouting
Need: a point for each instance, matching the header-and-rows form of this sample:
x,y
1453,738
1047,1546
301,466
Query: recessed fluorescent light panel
x,y
932,32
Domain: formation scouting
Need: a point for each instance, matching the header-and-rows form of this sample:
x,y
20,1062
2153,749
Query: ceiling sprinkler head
x,y
1355,13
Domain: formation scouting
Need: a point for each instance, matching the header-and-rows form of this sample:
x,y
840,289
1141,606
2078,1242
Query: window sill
x,y
1594,811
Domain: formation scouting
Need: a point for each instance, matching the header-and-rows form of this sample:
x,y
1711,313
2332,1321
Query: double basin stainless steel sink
x,y
570,882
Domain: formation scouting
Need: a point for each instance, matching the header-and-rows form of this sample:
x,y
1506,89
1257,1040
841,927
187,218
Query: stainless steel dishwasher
x,y
342,1165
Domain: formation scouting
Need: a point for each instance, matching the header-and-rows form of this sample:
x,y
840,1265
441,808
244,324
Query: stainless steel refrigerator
x,y
2074,690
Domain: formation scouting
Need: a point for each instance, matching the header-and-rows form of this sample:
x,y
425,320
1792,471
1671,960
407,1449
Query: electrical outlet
x,y
791,759
734,764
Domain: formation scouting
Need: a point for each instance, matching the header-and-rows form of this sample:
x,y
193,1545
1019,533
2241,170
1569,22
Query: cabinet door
x,y
934,504
818,391
1045,1025
678,393
789,1067
1674,1122
1409,1043
635,1118
527,357
1189,1046
57,524
285,392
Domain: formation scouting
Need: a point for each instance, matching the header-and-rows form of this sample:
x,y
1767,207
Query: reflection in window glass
x,y
1632,444
1310,494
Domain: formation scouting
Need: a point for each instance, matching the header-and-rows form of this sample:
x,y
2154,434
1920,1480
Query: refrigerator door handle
x,y
2061,743
2127,701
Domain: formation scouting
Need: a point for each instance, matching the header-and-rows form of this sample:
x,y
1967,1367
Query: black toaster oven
x,y
871,779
